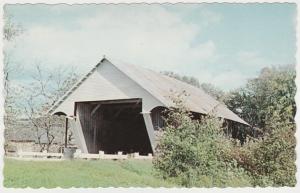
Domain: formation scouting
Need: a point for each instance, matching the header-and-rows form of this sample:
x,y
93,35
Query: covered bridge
x,y
118,107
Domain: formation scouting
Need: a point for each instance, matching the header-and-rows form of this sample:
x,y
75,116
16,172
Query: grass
x,y
81,173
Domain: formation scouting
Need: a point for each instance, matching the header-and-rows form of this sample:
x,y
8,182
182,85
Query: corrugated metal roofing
x,y
162,87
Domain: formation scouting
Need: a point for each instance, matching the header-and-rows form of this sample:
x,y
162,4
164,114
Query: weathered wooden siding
x,y
107,83
90,125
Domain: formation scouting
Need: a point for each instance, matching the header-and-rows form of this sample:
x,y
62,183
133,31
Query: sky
x,y
222,44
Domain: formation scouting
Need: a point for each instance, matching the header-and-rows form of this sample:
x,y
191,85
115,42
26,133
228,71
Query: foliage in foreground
x,y
270,161
268,102
196,153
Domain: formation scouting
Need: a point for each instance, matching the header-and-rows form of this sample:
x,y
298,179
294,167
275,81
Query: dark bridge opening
x,y
113,126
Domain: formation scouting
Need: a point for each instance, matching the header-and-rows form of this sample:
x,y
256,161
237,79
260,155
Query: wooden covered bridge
x,y
118,107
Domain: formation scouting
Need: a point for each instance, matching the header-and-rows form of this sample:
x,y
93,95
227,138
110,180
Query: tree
x,y
10,68
34,99
46,88
194,152
10,29
209,88
270,161
271,94
213,91
10,32
268,103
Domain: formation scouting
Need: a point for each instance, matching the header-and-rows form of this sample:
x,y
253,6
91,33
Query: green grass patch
x,y
81,173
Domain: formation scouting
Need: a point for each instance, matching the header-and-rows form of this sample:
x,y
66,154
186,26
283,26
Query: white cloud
x,y
245,65
230,79
160,37
151,37
225,80
250,59
212,17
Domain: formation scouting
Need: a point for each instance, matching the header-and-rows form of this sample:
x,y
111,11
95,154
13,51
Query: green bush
x,y
271,161
268,102
195,153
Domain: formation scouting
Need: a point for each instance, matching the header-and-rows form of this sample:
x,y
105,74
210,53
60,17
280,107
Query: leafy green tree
x,y
263,98
195,153
270,161
268,103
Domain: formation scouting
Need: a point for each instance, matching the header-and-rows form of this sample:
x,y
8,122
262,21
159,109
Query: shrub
x,y
268,102
271,161
195,152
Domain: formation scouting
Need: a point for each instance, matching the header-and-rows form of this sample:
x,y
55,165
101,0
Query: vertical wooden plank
x,y
150,129
81,142
86,123
78,127
95,138
98,125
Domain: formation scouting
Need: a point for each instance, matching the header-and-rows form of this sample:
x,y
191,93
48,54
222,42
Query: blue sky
x,y
224,44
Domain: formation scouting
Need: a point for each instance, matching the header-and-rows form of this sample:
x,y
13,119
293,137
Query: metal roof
x,y
162,87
